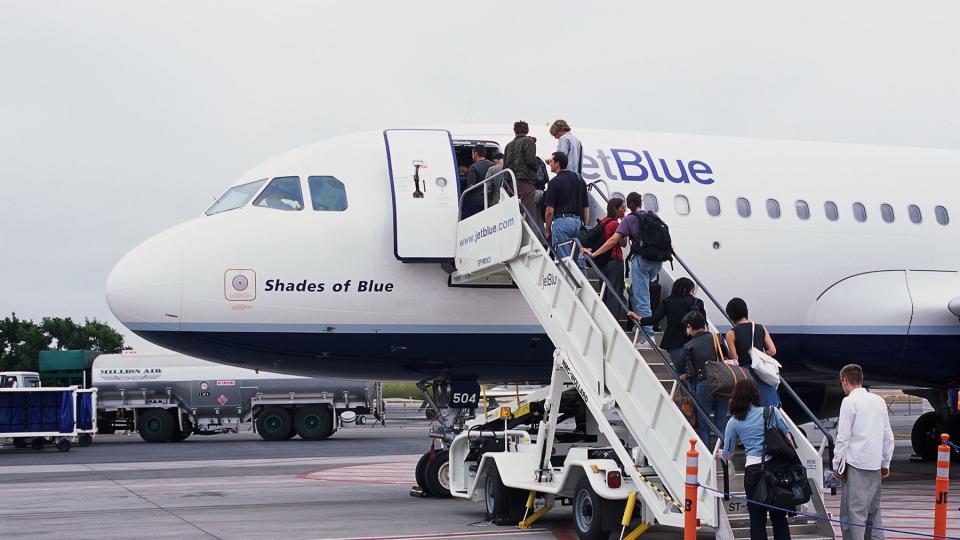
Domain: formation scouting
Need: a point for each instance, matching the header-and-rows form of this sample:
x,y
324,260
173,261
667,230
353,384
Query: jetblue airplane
x,y
333,259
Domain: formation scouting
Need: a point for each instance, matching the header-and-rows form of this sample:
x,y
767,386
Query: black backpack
x,y
655,243
593,238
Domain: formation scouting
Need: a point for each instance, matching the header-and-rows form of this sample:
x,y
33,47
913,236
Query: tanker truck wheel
x,y
274,424
181,435
313,423
155,425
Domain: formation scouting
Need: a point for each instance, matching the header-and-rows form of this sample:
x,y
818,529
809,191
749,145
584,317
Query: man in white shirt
x,y
568,144
862,455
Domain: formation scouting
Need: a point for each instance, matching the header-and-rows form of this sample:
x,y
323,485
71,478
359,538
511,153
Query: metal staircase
x,y
601,360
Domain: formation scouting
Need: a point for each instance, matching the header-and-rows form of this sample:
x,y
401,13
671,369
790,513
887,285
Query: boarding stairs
x,y
599,358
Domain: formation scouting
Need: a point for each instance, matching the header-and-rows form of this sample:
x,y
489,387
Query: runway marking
x,y
397,472
907,508
478,534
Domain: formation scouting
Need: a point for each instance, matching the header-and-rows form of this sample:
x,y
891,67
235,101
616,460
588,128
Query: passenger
x,y
747,425
567,208
520,156
862,456
642,271
568,144
703,348
612,264
738,341
473,202
674,308
493,187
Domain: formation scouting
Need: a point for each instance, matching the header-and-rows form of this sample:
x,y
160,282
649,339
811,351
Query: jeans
x,y
768,394
718,405
563,230
642,272
752,476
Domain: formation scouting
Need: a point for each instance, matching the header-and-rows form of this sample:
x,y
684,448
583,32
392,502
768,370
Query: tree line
x,y
21,340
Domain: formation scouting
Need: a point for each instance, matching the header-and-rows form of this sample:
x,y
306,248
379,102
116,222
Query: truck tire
x,y
38,443
85,439
155,425
63,445
437,475
504,505
20,442
313,423
274,424
586,512
182,434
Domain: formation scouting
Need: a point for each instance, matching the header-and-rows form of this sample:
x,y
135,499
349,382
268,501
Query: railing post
x,y
690,493
943,484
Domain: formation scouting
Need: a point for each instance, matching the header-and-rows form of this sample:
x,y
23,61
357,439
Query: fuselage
x,y
321,292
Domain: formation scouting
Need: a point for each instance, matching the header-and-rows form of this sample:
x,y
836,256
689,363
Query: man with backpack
x,y
567,208
650,246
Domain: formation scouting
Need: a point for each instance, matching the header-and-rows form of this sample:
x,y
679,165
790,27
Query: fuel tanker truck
x,y
168,397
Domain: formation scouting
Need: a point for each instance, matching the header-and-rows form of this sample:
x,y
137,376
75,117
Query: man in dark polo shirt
x,y
567,207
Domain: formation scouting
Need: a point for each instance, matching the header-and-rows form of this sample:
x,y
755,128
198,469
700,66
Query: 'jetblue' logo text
x,y
631,165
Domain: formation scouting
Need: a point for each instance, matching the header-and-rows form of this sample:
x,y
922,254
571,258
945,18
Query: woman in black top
x,y
739,343
674,308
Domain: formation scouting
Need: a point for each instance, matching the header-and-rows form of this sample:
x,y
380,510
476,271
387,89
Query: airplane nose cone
x,y
144,288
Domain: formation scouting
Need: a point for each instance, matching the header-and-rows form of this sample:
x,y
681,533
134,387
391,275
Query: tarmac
x,y
354,485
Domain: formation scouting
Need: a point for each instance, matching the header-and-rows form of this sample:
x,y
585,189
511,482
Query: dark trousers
x,y
752,476
613,270
528,197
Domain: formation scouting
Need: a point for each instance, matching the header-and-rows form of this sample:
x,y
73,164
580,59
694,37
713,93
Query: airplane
x,y
334,260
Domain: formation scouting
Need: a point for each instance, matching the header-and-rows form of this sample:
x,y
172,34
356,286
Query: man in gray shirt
x,y
568,144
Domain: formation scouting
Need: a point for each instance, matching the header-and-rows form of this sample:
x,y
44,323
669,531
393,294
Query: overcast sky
x,y
119,119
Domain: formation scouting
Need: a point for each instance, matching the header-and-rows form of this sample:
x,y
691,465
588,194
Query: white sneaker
x,y
643,344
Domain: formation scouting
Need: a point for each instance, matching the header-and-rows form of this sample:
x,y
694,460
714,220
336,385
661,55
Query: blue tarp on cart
x,y
84,410
33,411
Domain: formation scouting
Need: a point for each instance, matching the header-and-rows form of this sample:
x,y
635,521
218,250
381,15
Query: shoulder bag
x,y
783,482
722,375
762,363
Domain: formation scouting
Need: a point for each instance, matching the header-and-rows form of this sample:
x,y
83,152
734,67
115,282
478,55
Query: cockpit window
x,y
235,197
282,193
327,194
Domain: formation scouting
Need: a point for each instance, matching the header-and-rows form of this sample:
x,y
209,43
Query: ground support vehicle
x,y
34,416
169,397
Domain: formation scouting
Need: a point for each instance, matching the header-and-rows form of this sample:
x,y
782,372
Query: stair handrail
x,y
504,172
575,243
783,382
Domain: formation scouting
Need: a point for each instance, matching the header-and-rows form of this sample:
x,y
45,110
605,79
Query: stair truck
x,y
32,415
630,461
168,397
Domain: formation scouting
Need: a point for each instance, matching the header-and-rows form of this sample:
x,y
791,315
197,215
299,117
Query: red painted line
x,y
443,535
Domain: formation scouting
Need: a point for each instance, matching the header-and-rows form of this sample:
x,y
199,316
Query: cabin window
x,y
327,194
830,208
773,208
682,205
943,217
886,212
282,193
713,206
650,203
235,197
859,212
803,209
914,212
743,207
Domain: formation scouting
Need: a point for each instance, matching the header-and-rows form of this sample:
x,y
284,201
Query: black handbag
x,y
784,480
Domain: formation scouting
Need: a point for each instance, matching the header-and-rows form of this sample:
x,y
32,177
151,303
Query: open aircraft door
x,y
426,192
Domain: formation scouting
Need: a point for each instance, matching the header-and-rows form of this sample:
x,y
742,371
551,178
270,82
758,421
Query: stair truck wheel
x,y
421,473
85,439
37,443
274,424
313,423
925,435
587,512
504,505
437,475
180,435
63,445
